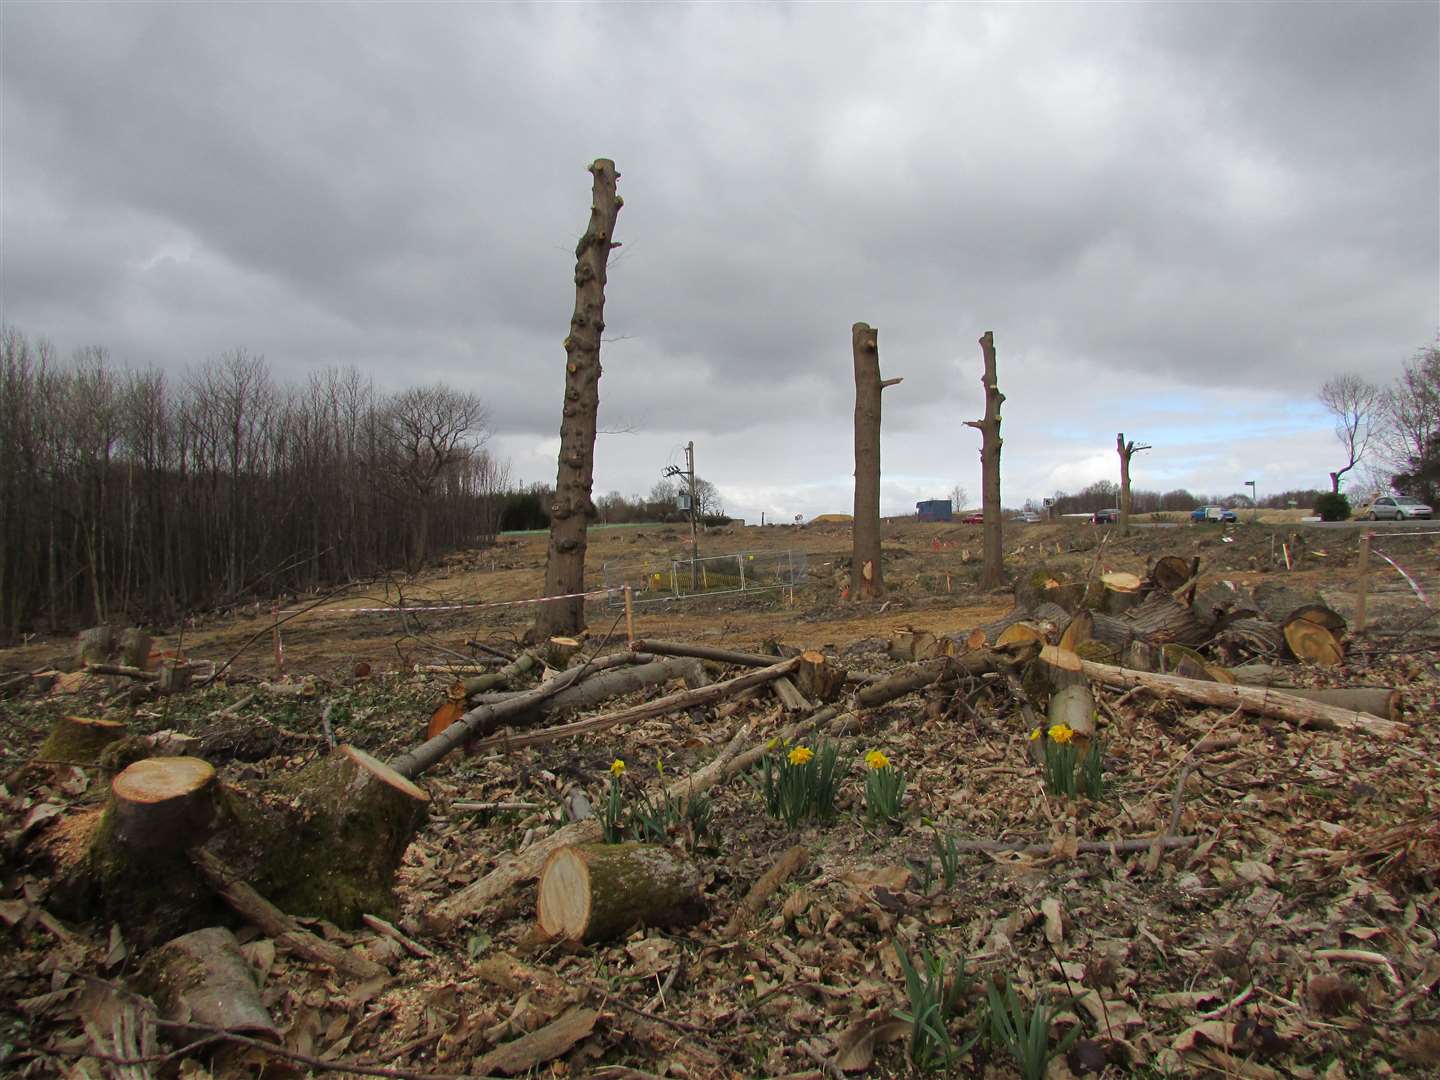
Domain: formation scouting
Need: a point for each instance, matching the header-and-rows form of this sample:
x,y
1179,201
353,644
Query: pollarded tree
x,y
1355,405
866,578
572,508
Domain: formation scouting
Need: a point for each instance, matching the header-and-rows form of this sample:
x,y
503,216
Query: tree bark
x,y
202,978
1126,450
572,509
818,678
594,892
1264,701
866,576
993,571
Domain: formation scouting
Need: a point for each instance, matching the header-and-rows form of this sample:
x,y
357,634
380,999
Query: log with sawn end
x,y
1263,701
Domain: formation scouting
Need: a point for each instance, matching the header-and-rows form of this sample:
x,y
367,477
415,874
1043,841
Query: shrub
x,y
1333,506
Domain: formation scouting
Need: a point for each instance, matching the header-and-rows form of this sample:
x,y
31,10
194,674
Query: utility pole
x,y
689,473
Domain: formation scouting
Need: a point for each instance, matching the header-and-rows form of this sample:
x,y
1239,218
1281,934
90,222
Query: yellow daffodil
x,y
1061,733
876,759
1035,734
617,768
800,755
772,744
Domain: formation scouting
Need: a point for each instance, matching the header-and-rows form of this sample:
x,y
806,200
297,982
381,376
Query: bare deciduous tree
x,y
427,434
1355,406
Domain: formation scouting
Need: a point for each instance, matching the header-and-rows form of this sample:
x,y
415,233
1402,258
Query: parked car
x,y
977,518
1212,513
1105,517
1030,517
1397,508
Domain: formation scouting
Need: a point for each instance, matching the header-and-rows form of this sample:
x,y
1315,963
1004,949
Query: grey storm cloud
x,y
1183,199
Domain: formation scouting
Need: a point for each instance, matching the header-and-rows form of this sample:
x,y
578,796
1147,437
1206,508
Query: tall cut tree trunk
x,y
1126,452
993,573
572,509
866,579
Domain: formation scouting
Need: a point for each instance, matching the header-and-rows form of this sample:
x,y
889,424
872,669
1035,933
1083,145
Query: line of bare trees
x,y
141,495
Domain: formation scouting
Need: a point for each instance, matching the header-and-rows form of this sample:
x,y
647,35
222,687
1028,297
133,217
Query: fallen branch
x,y
684,699
1262,701
276,924
788,863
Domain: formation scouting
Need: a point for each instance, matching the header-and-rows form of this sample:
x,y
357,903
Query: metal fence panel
x,y
655,580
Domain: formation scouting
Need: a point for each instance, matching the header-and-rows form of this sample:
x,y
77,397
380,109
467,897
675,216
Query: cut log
x,y
1221,602
595,892
1169,573
1078,630
1049,584
1071,701
1177,659
524,1054
1248,638
909,644
79,740
95,646
1017,614
1019,634
1161,619
1115,593
528,863
1263,701
790,696
1276,600
201,978
1310,641
819,678
1376,700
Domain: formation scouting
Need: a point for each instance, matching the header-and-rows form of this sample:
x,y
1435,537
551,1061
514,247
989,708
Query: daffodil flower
x,y
1061,733
800,755
876,759
617,768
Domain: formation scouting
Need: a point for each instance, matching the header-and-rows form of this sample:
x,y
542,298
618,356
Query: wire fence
x,y
656,580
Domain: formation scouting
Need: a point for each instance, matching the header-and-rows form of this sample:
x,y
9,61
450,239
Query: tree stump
x,y
202,978
559,651
163,803
327,840
1115,593
594,892
95,646
818,678
135,648
79,740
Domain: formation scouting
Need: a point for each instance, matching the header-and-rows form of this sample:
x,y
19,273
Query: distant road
x,y
1377,526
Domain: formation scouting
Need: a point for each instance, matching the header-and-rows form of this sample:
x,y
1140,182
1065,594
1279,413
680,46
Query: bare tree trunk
x,y
993,574
1126,452
866,579
572,508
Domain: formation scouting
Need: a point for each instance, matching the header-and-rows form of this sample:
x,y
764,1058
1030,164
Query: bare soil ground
x,y
1297,937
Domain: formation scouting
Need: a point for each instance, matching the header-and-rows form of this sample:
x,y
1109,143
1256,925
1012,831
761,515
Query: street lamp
x,y
1254,506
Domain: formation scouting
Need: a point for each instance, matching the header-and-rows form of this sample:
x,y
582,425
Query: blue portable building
x,y
933,510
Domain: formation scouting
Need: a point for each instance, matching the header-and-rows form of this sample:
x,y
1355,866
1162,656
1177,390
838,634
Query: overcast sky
x,y
1178,220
